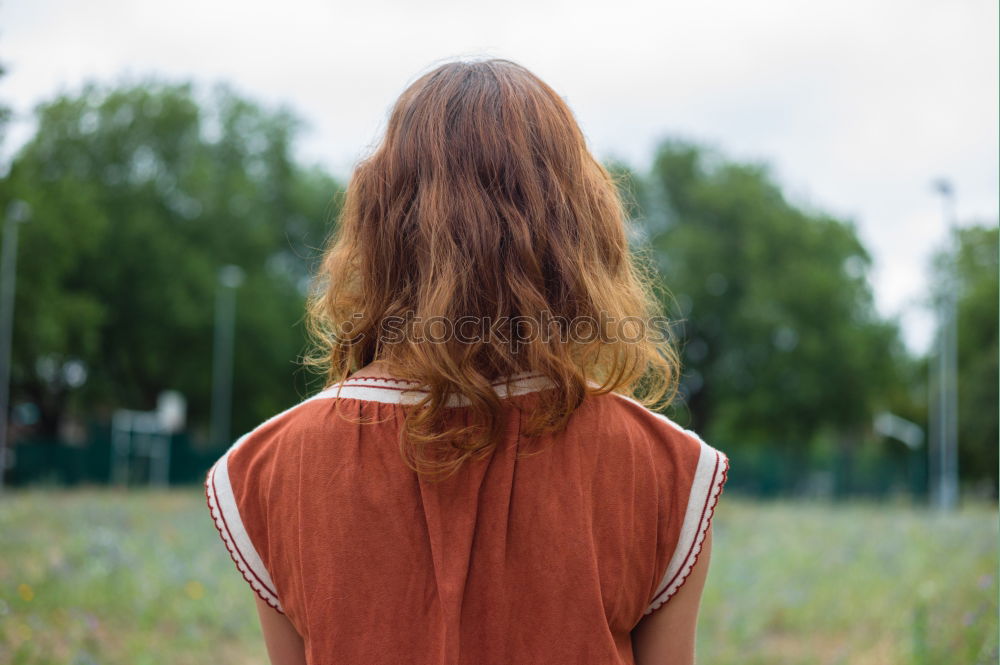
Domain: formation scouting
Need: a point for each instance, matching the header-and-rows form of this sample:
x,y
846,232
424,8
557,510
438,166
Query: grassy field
x,y
108,577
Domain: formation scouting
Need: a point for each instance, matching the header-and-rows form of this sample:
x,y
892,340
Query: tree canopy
x,y
139,195
780,336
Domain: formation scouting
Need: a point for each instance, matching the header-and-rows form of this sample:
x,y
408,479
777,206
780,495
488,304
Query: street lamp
x,y
944,374
230,278
17,212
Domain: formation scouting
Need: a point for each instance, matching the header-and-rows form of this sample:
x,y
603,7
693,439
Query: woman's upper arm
x,y
667,636
284,644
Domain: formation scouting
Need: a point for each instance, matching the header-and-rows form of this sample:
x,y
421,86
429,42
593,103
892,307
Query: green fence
x,y
873,471
57,463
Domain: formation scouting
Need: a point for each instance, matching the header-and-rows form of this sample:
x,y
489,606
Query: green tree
x,y
781,341
139,194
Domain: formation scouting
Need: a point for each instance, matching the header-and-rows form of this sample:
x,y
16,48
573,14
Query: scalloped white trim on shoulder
x,y
222,505
710,476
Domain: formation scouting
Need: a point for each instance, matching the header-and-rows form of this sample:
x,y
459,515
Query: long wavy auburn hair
x,y
482,200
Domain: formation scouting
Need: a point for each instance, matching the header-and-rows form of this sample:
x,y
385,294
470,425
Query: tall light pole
x,y
230,278
944,383
17,212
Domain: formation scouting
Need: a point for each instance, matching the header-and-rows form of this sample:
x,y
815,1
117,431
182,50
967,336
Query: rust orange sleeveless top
x,y
548,558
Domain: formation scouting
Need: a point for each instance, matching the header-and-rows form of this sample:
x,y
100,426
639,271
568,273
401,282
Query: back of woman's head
x,y
482,240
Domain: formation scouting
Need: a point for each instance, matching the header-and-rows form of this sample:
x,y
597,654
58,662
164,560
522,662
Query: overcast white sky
x,y
856,104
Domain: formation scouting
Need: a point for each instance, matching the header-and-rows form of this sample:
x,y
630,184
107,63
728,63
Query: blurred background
x,y
816,183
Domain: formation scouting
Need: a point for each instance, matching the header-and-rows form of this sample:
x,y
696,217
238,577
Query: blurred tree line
x,y
141,192
139,195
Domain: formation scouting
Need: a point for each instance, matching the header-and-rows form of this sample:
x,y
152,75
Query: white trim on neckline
x,y
390,390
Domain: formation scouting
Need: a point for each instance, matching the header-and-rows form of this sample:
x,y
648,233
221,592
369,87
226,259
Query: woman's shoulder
x,y
689,475
619,411
314,417
672,450
300,416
